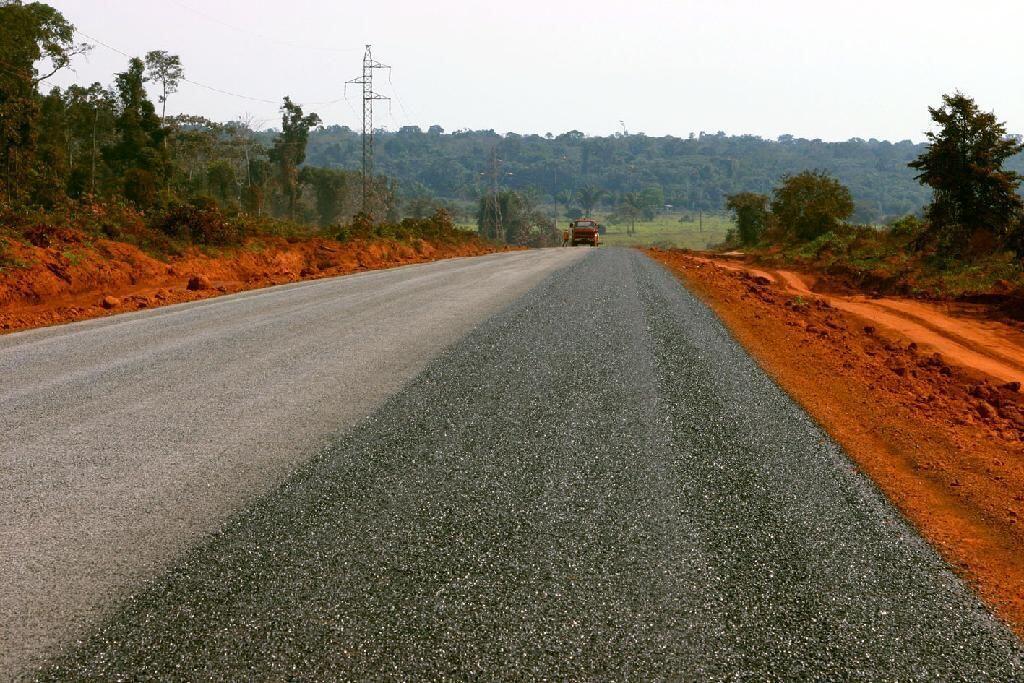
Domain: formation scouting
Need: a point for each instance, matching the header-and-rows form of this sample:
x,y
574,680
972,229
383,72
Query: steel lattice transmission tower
x,y
366,80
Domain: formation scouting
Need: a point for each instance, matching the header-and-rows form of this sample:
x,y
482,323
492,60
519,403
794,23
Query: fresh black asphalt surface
x,y
596,483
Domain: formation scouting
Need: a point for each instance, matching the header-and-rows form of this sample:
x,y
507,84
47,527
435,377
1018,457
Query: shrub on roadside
x,y
909,227
437,228
200,222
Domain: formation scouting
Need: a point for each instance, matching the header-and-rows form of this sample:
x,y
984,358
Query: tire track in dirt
x,y
993,348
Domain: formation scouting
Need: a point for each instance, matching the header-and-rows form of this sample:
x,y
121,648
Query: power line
x,y
271,39
225,92
100,42
369,95
204,85
398,99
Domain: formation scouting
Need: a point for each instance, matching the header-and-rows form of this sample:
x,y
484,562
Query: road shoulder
x,y
939,440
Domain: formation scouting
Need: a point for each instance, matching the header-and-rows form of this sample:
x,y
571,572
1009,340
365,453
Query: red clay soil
x,y
74,278
925,398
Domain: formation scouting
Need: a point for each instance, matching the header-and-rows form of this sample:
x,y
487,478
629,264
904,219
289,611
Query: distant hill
x,y
693,173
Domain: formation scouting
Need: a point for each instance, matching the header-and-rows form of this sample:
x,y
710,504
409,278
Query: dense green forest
x,y
69,155
692,173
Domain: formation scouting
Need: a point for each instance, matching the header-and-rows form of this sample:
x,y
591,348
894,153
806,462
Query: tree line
x,y
976,208
111,144
691,174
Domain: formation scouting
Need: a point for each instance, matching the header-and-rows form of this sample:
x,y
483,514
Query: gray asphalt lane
x,y
125,440
597,483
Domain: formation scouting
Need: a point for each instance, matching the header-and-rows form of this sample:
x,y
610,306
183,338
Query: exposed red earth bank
x,y
924,396
75,277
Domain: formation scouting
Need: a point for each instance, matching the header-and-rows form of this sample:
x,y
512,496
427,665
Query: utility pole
x,y
499,231
366,80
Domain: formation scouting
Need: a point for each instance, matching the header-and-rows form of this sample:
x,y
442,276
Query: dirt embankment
x,y
74,277
925,397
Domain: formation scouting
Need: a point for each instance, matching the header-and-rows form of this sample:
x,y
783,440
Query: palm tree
x,y
588,197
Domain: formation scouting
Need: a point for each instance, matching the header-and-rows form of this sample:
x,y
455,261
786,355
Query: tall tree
x,y
329,187
522,221
222,181
91,114
751,212
973,195
137,155
811,203
259,174
53,149
289,149
631,208
166,70
29,34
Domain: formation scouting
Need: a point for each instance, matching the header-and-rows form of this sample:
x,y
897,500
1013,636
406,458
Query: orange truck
x,y
585,231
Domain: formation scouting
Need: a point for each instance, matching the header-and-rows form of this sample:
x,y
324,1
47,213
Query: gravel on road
x,y
597,483
125,440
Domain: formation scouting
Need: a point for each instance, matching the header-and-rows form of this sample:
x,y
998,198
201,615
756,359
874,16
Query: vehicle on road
x,y
585,231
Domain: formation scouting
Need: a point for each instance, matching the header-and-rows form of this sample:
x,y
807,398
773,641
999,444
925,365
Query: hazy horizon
x,y
764,69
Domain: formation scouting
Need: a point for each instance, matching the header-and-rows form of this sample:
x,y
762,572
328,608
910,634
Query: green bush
x,y
908,226
200,222
440,227
828,243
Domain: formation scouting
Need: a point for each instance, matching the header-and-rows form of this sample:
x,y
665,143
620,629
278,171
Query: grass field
x,y
666,230
670,230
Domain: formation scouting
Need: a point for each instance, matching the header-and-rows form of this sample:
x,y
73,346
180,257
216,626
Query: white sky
x,y
820,68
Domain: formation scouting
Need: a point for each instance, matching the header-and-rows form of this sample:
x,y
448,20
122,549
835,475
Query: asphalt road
x,y
596,483
123,441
